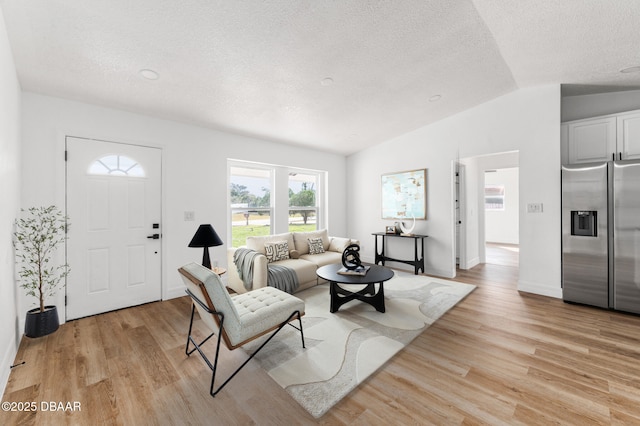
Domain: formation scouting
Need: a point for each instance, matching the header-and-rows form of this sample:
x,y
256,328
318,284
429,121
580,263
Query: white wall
x,y
194,169
527,121
501,226
10,330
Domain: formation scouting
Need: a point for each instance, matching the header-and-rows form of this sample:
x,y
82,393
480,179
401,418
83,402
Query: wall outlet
x,y
534,208
189,216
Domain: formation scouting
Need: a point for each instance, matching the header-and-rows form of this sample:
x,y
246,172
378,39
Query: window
x,y
250,199
303,207
266,199
116,165
493,197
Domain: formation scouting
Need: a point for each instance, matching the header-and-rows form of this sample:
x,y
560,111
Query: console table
x,y
417,262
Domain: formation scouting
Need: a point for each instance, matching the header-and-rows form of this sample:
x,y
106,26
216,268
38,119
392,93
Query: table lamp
x,y
205,237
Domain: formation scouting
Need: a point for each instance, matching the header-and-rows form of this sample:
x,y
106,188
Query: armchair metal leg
x,y
214,366
190,339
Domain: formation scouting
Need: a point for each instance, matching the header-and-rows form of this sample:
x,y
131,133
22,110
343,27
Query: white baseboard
x,y
541,289
5,365
471,263
444,273
172,293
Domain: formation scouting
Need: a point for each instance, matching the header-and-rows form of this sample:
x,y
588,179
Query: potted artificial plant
x,y
39,233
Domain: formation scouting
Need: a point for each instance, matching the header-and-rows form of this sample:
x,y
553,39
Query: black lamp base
x,y
206,261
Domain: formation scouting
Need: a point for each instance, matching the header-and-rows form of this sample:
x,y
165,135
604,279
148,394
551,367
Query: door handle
x,y
154,236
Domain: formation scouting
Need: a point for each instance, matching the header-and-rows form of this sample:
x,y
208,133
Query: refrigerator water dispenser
x,y
584,223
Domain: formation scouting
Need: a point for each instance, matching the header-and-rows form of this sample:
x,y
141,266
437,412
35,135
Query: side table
x,y
218,270
418,258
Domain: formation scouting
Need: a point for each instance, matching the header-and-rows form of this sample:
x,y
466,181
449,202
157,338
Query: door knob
x,y
154,236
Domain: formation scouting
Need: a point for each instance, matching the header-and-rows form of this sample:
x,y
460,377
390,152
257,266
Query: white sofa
x,y
300,260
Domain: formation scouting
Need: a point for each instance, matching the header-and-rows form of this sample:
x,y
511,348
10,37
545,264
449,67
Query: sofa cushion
x,y
326,258
301,240
257,243
277,250
315,245
305,271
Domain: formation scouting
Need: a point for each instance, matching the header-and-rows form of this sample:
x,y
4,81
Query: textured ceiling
x,y
255,67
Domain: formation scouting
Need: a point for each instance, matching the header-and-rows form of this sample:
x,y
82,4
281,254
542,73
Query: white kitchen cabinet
x,y
591,140
628,136
615,136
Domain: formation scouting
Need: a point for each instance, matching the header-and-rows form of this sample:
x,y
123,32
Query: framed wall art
x,y
404,195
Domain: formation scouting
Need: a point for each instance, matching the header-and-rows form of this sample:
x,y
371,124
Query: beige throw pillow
x,y
316,246
275,251
301,240
339,244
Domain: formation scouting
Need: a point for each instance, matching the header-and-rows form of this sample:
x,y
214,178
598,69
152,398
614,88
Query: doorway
x,y
481,227
113,201
501,216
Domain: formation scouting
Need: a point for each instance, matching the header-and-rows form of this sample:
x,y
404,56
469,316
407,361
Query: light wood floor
x,y
499,357
502,254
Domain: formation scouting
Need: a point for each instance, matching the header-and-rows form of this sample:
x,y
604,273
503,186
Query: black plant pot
x,y
40,324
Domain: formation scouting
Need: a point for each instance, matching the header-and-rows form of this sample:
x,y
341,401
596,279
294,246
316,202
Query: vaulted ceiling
x,y
331,74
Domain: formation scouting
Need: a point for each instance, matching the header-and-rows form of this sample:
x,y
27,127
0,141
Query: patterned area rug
x,y
344,348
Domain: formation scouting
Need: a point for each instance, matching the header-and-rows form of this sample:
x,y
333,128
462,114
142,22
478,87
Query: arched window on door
x,y
116,165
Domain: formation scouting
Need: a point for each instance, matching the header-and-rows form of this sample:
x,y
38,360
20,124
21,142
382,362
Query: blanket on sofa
x,y
279,276
282,278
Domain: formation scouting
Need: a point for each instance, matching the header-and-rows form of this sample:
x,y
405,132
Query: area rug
x,y
344,348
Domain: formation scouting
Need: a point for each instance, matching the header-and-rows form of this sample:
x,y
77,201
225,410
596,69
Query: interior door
x,y
114,208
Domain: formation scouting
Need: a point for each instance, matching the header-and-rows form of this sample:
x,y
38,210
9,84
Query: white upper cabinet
x,y
602,138
591,140
629,135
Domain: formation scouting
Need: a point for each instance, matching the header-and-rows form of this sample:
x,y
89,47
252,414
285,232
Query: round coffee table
x,y
340,295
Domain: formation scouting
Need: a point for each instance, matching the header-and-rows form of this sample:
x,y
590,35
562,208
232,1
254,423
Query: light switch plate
x,y
534,208
189,216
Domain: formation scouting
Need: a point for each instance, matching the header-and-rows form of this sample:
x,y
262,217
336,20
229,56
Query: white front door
x,y
114,208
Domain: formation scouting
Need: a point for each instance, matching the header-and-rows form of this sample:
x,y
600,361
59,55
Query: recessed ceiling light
x,y
326,81
630,69
435,98
149,74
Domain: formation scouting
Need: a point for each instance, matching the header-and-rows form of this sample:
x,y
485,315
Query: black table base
x,y
339,284
418,257
340,296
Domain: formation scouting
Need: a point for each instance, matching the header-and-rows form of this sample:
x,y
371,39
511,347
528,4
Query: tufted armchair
x,y
237,319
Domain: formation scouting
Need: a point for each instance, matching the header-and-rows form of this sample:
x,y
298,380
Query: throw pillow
x,y
301,240
315,246
339,244
275,251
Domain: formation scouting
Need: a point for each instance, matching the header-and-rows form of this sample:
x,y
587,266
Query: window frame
x,y
503,197
119,171
315,208
235,210
279,188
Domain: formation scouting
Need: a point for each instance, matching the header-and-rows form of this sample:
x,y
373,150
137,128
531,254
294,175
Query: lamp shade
x,y
205,236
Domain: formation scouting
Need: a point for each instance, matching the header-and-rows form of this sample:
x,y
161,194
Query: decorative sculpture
x,y
408,231
351,257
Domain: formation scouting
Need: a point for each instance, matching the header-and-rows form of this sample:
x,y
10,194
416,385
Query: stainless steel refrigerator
x,y
601,234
